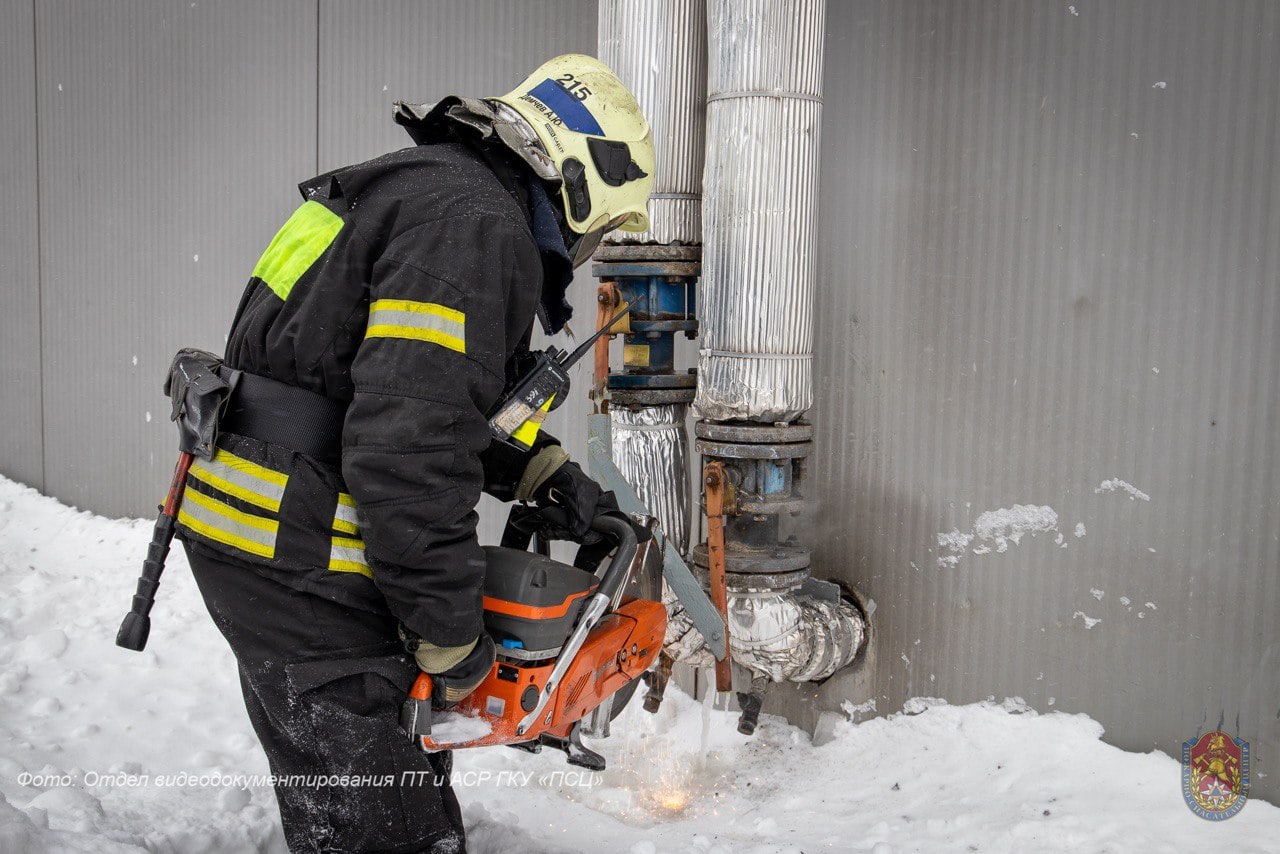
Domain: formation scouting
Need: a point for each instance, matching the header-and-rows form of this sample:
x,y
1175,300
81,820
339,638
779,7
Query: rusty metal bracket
x,y
606,299
714,488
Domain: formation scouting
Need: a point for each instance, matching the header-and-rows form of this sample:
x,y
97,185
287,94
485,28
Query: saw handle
x,y
620,531
415,714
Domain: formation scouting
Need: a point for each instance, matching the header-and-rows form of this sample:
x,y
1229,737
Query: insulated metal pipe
x,y
764,111
755,375
659,49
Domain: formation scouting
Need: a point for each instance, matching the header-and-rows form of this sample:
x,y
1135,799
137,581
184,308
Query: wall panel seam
x,y
316,171
35,85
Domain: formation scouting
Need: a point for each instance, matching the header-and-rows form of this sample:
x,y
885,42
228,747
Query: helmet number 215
x,y
573,86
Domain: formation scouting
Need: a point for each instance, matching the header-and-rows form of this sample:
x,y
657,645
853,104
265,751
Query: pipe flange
x,y
662,324
757,561
734,451
647,252
638,398
748,433
771,582
744,584
611,270
652,381
766,507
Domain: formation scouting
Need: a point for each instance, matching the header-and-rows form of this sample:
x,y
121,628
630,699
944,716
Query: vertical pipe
x,y
659,49
764,110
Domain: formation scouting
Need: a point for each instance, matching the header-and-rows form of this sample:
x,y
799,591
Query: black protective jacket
x,y
404,289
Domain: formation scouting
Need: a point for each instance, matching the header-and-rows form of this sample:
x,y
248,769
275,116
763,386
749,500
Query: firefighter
x,y
337,519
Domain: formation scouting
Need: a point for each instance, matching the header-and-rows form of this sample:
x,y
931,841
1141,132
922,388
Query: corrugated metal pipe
x,y
651,449
782,637
764,111
659,49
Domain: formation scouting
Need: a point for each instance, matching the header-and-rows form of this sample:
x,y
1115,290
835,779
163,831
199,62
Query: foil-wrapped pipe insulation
x,y
781,636
764,110
651,449
659,49
786,637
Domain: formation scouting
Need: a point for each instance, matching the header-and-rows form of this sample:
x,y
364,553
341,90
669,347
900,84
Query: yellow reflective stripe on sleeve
x,y
250,482
420,321
225,524
347,555
344,515
296,246
527,432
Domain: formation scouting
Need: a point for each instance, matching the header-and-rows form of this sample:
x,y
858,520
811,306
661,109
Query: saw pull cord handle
x,y
136,626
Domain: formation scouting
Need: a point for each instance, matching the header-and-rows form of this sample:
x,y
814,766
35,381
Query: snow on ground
x,y
79,718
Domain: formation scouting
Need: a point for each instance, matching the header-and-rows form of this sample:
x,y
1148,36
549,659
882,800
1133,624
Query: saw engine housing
x,y
534,609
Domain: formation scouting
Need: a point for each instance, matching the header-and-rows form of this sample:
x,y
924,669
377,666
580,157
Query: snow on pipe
x,y
651,449
764,110
658,48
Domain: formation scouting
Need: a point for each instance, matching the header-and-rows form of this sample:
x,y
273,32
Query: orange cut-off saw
x,y
572,646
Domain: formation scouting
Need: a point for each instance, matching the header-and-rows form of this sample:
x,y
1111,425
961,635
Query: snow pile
x,y
103,750
455,728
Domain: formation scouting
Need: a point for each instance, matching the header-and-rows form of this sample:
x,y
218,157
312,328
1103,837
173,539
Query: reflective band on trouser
x,y
346,554
419,321
527,432
250,482
296,246
344,516
224,524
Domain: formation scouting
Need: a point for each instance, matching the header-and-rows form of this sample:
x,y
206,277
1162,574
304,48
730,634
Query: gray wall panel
x,y
1040,270
1050,257
21,427
172,139
375,53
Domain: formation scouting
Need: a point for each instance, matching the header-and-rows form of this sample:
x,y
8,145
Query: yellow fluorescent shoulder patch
x,y
296,246
419,321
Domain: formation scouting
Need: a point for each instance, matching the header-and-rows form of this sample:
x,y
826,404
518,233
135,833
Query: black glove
x,y
580,497
455,683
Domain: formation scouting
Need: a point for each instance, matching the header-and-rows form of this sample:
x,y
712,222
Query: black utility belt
x,y
286,415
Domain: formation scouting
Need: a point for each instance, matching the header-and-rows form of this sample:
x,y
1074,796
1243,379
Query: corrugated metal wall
x,y
21,425
1053,260
171,138
1049,257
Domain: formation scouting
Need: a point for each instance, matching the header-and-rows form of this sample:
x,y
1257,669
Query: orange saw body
x,y
568,642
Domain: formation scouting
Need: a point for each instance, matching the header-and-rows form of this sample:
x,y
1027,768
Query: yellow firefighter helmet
x,y
594,133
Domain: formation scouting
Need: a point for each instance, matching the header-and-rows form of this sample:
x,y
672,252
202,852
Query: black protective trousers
x,y
323,684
